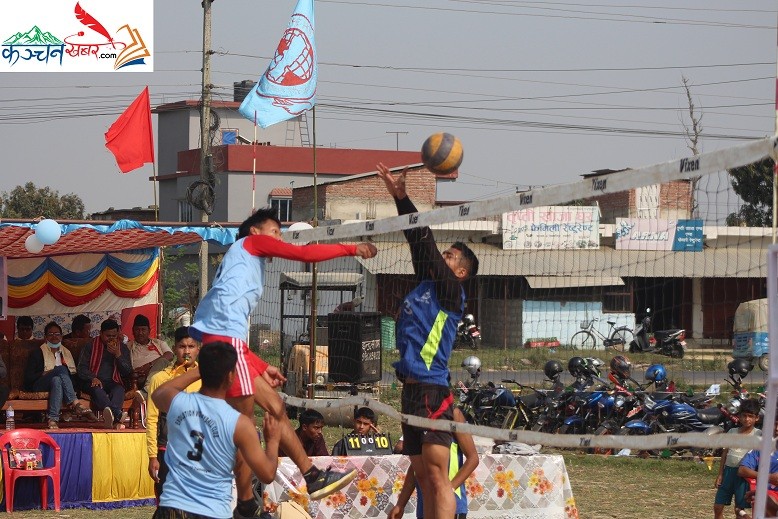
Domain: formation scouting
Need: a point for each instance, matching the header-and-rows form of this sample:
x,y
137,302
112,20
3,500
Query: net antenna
x,y
768,442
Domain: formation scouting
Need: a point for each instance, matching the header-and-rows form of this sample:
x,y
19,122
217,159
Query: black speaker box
x,y
354,347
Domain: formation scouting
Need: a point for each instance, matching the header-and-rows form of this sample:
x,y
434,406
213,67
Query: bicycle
x,y
587,338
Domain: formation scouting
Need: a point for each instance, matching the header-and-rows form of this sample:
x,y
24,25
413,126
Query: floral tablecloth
x,y
503,486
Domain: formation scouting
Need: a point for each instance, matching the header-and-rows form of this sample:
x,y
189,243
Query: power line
x,y
596,16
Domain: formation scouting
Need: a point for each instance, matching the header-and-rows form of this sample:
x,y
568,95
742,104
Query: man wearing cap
x,y
149,356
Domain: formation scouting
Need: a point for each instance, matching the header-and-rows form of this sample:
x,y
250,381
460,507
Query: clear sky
x,y
539,92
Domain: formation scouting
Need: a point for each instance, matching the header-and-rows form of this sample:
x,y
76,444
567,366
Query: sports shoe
x,y
119,424
237,515
329,482
52,424
108,418
82,411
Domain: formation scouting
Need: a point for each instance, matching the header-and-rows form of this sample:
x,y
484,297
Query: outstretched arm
x,y
269,247
427,261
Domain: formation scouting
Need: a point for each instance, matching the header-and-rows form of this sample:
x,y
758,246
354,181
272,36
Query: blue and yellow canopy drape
x,y
123,278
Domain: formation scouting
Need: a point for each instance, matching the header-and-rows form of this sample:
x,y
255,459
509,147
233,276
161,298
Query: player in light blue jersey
x,y
204,435
223,315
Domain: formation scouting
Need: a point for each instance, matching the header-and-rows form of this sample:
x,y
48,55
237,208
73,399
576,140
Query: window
x,y
185,211
284,208
229,136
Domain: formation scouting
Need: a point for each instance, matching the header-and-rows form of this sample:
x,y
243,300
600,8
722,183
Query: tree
x,y
180,274
754,185
30,201
693,139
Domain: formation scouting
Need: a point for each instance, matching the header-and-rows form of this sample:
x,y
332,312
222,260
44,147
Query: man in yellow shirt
x,y
185,350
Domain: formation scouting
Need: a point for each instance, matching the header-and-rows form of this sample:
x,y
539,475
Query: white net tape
x,y
699,165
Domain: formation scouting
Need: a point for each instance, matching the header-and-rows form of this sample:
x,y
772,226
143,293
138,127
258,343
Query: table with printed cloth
x,y
503,486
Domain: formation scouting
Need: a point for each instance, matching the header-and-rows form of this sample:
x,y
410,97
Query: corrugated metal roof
x,y
573,281
395,258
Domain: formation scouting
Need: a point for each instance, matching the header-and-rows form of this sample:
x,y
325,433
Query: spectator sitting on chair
x,y
309,432
81,328
24,326
50,368
149,356
365,422
102,364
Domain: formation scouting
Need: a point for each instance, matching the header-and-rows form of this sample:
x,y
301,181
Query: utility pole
x,y
205,136
397,136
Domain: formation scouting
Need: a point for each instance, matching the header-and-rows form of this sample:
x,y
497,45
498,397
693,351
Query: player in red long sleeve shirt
x,y
223,316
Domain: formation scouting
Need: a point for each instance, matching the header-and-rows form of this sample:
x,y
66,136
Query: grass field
x,y
603,487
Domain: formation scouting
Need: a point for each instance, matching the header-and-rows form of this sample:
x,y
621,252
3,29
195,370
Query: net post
x,y
771,388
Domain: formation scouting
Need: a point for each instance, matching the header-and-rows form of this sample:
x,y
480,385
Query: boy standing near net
x,y
426,331
223,315
462,462
728,483
205,435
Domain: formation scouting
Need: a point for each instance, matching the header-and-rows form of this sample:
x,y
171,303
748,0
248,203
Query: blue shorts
x,y
731,485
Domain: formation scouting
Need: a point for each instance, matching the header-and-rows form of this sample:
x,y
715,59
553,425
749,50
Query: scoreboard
x,y
367,444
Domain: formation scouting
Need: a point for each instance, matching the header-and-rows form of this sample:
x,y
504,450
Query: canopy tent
x,y
123,235
94,268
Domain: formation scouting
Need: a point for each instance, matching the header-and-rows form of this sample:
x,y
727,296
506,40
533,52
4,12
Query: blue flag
x,y
288,86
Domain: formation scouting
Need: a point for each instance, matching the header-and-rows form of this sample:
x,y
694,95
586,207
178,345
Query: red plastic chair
x,y
29,439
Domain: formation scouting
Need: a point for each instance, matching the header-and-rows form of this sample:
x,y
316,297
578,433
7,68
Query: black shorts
x,y
426,401
162,474
165,512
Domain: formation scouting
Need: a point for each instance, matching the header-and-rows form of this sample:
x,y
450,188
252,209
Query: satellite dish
x,y
299,226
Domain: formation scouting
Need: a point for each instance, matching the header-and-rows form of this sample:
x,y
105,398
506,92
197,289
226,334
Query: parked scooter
x,y
468,332
667,342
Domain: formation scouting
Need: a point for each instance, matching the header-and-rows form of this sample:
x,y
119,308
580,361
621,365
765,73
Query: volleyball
x,y
442,153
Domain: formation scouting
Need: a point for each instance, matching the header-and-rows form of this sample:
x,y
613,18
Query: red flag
x,y
130,138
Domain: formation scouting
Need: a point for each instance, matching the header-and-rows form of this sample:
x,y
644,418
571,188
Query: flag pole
x,y
775,164
254,167
314,295
154,186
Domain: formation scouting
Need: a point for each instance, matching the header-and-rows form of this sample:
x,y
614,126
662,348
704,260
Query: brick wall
x,y
675,201
343,200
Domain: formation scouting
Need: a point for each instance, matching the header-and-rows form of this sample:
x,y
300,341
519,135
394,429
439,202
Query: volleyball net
x,y
564,269
561,269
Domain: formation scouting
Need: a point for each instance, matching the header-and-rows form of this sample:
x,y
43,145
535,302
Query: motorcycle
x,y
667,342
494,406
567,409
528,406
468,332
490,405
